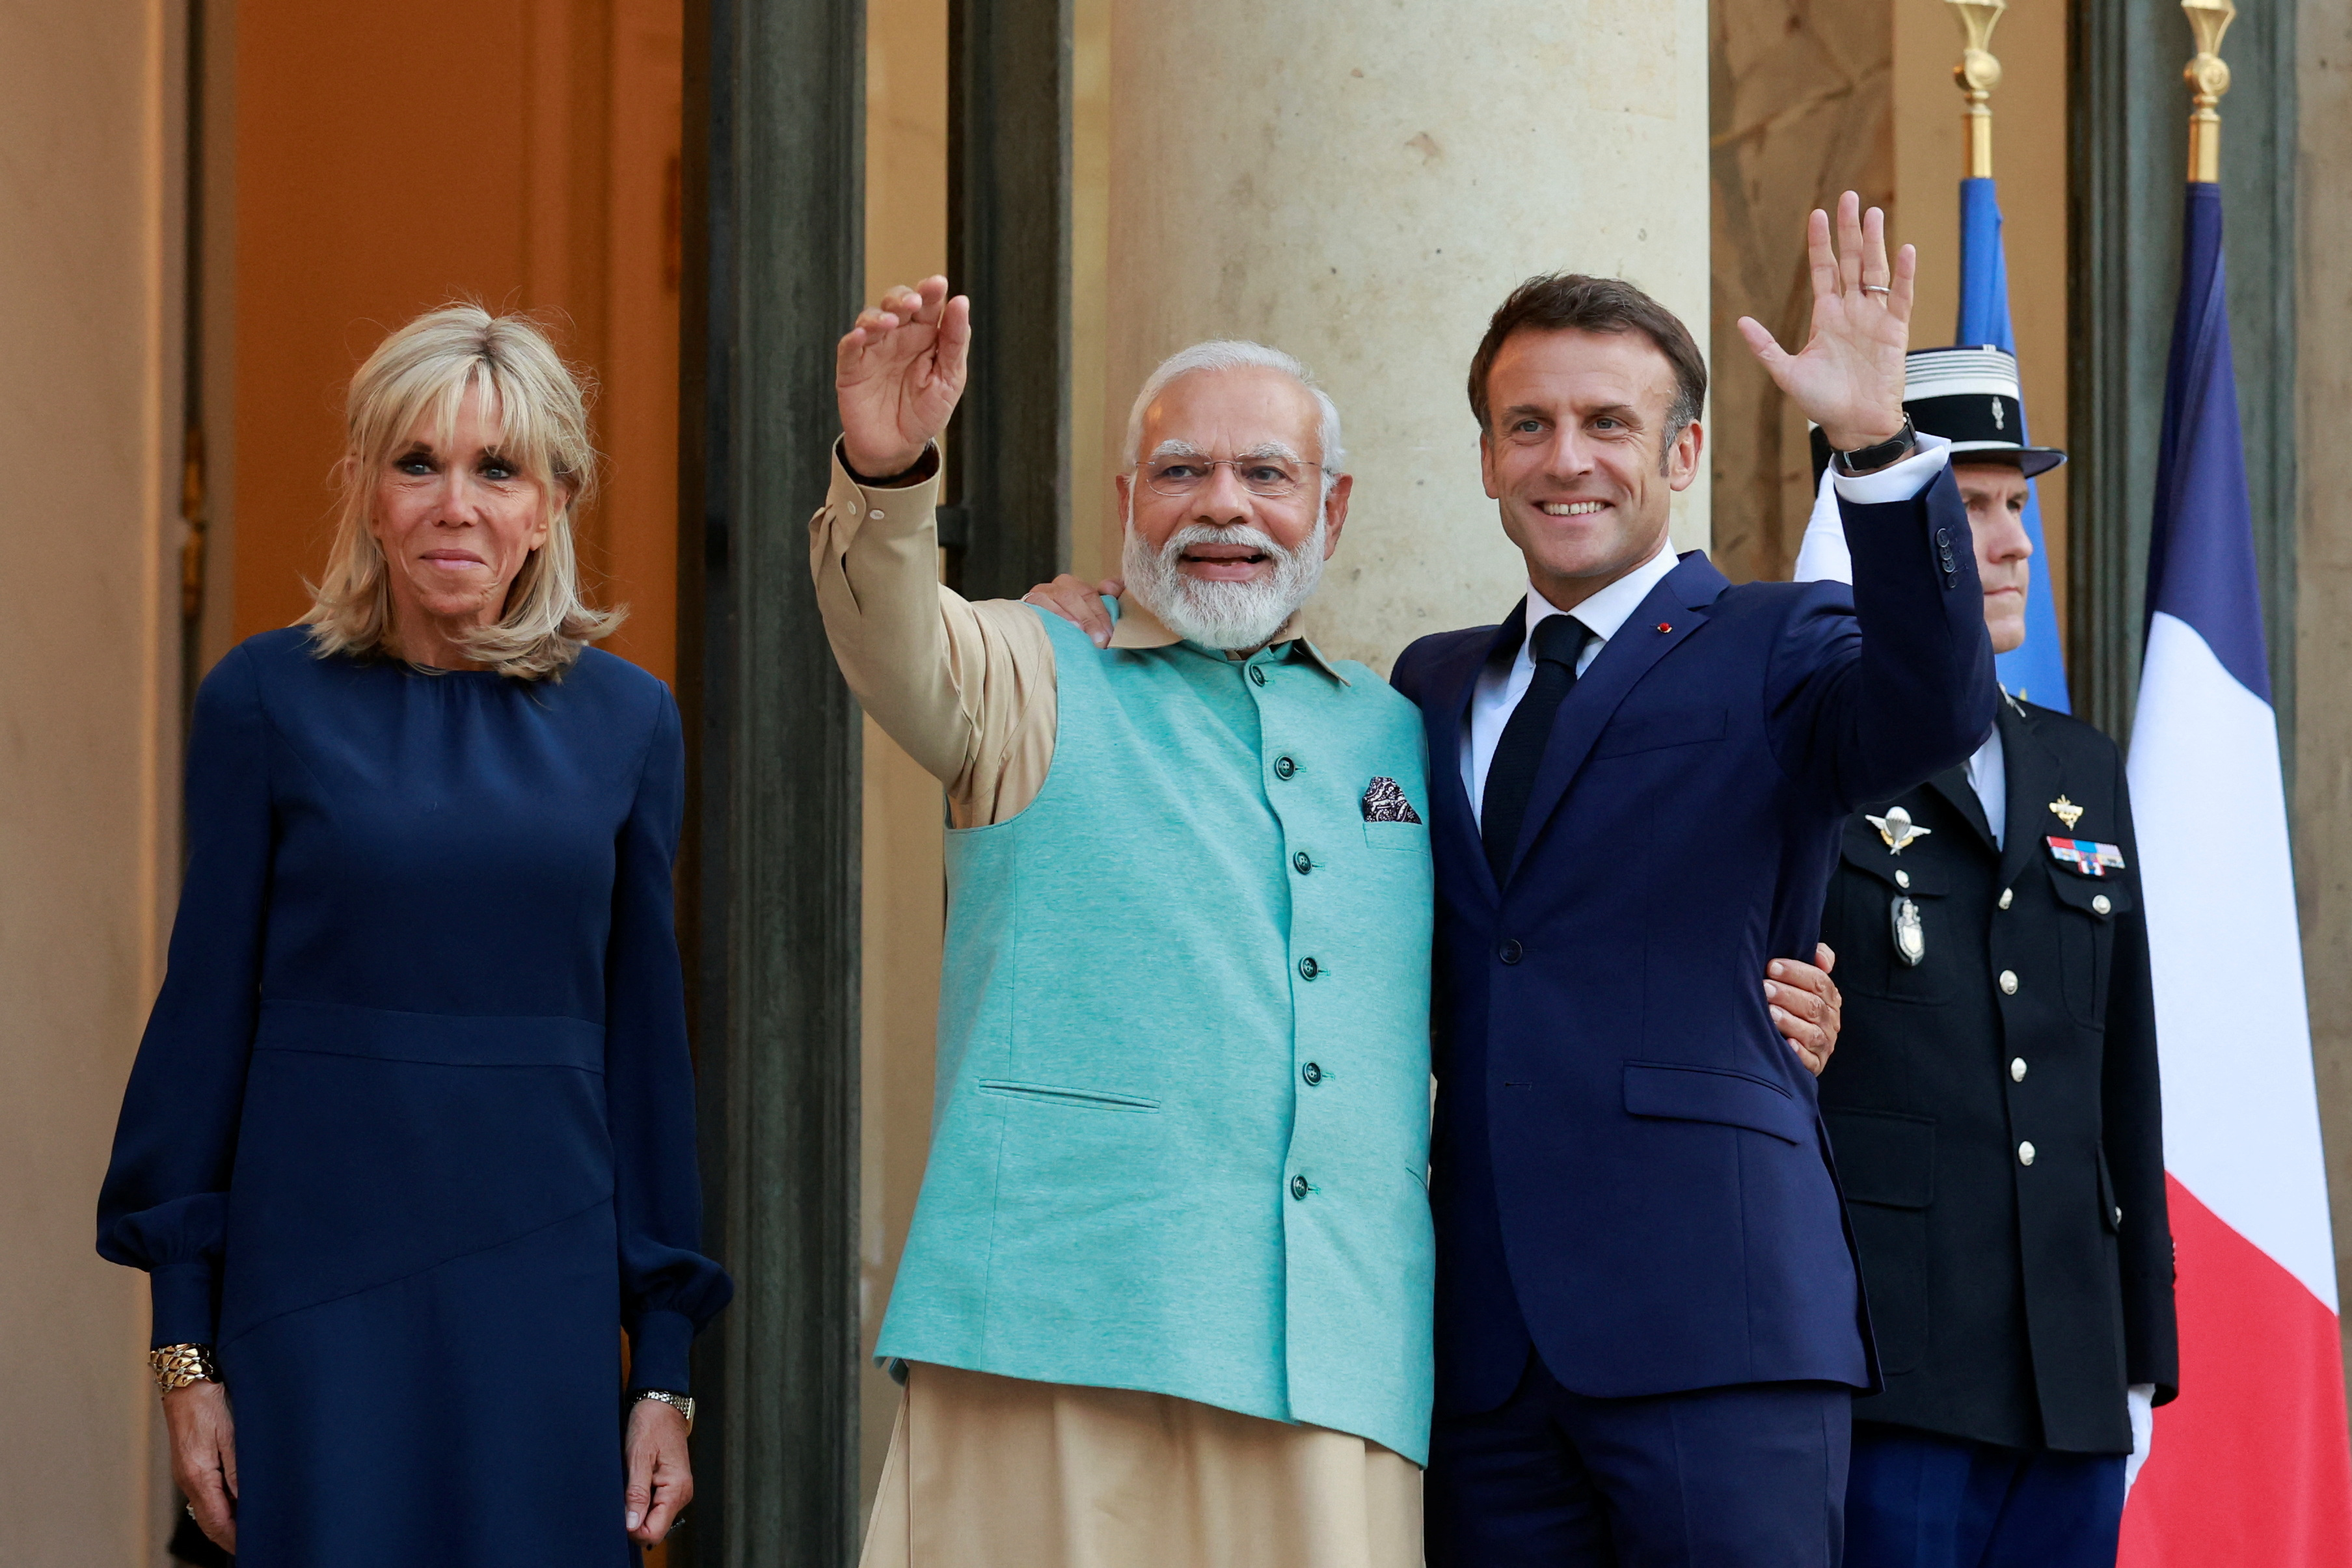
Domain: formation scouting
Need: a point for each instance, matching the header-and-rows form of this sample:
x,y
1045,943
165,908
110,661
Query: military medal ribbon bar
x,y
2087,858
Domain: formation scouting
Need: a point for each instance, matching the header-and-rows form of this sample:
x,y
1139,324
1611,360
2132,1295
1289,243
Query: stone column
x,y
1359,183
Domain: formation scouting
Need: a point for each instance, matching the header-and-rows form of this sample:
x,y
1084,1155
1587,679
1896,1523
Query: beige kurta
x,y
996,1472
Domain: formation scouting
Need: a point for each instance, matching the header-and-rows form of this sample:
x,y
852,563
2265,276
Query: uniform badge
x,y
2087,858
1910,936
1897,829
2066,812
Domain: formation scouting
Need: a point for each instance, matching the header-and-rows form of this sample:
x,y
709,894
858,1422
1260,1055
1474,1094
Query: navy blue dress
x,y
410,1139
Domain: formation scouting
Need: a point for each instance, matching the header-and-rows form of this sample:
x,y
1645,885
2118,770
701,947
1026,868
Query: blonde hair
x,y
424,371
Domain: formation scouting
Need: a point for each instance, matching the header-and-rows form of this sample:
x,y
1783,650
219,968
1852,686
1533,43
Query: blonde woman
x,y
410,1139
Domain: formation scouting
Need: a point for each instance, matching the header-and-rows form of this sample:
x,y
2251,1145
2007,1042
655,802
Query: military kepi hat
x,y
1971,397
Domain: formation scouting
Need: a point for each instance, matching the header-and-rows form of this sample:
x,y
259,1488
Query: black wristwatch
x,y
1886,455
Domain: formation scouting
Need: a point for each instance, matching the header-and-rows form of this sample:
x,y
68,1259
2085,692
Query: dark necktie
x,y
1559,641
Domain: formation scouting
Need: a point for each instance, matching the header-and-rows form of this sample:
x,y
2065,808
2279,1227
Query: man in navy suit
x,y
1649,1321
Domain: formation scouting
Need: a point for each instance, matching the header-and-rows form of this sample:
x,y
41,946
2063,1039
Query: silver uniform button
x,y
1902,878
2009,981
2025,1153
2101,903
2006,898
2017,1070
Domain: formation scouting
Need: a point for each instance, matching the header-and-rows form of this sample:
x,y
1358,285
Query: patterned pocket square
x,y
1384,801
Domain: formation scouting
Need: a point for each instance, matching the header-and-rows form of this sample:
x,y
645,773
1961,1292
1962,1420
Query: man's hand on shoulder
x,y
1848,378
1805,1006
1079,603
897,374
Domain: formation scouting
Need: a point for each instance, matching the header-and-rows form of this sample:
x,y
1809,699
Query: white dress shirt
x,y
1989,776
1500,689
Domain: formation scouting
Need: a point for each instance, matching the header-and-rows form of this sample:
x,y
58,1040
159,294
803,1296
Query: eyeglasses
x,y
1179,475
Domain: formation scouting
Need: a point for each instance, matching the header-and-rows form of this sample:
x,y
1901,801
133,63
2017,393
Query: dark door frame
x,y
1009,242
775,202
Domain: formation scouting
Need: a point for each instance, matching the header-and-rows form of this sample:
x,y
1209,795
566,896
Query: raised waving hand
x,y
897,374
1848,378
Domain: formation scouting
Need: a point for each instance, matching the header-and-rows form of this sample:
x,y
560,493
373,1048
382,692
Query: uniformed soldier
x,y
1994,1109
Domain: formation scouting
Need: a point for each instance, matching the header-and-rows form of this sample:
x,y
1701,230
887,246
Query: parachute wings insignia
x,y
1897,828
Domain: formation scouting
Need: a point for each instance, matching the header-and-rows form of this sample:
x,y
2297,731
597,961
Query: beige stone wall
x,y
905,884
88,441
1803,108
1362,184
2323,782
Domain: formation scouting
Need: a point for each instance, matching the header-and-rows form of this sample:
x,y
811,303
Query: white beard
x,y
1229,617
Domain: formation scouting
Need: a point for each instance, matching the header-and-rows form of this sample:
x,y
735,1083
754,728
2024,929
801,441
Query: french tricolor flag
x,y
2250,1465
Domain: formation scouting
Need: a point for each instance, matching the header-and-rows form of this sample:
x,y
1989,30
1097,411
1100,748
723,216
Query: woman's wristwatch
x,y
176,1366
682,1403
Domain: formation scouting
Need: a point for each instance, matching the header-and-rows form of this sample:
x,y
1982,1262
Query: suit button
x,y
1312,1073
2025,1153
1299,1187
2009,981
1284,767
1309,969
1257,675
2007,897
1944,539
1510,952
2017,1070
2102,904
1902,878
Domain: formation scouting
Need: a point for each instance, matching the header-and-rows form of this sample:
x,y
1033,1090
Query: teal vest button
x,y
1299,1189
1284,767
1302,862
1312,1073
1309,969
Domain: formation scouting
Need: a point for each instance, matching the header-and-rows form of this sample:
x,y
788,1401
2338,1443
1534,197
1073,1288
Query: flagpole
x,y
2208,79
1977,73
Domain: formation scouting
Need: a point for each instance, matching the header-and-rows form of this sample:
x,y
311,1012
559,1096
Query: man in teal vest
x,y
1166,1297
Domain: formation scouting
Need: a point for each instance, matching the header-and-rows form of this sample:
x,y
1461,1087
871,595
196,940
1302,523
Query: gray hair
x,y
1236,353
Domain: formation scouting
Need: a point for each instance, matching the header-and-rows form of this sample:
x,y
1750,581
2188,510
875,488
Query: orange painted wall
x,y
520,153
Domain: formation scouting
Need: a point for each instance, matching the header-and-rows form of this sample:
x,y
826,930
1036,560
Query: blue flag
x,y
2038,669
2200,554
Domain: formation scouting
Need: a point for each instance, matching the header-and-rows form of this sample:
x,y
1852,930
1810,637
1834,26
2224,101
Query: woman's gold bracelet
x,y
176,1366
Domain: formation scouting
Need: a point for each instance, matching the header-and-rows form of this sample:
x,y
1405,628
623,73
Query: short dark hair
x,y
1573,301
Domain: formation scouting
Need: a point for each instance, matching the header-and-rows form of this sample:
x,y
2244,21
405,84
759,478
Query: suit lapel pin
x,y
1896,828
1665,625
2066,812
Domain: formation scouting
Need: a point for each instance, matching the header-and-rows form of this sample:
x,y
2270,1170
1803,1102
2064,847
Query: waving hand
x,y
1848,378
897,374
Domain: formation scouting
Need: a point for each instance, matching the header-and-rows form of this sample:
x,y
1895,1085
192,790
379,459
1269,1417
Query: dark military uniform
x,y
1994,1106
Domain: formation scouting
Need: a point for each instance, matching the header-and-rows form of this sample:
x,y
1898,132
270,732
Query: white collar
x,y
1606,610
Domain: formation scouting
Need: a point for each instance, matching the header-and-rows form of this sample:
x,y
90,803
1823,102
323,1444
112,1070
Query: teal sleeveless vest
x,y
1181,1139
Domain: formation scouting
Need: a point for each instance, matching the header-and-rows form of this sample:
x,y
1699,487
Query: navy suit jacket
x,y
1630,1168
